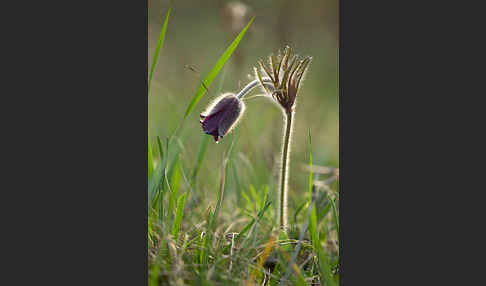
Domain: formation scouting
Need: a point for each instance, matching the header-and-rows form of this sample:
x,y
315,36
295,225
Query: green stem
x,y
283,176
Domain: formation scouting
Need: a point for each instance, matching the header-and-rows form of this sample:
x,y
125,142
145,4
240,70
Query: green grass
x,y
215,70
212,208
160,44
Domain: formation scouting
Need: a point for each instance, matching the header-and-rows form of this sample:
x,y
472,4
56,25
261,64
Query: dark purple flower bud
x,y
222,115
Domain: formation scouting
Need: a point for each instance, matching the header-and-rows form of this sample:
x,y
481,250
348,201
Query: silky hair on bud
x,y
222,115
215,101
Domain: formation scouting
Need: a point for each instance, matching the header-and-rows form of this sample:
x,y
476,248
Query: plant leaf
x,y
178,218
150,159
217,67
159,46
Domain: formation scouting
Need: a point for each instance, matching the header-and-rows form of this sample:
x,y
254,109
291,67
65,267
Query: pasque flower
x,y
282,82
222,115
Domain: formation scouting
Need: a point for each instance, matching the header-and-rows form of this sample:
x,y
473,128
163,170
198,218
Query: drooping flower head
x,y
285,72
282,82
222,115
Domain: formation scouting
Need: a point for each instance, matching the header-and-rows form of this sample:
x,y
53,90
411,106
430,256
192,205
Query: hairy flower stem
x,y
284,171
285,72
251,85
288,115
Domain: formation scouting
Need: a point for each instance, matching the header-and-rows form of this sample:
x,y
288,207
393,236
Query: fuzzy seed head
x,y
286,72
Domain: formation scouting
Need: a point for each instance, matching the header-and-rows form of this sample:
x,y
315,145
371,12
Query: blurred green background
x,y
198,33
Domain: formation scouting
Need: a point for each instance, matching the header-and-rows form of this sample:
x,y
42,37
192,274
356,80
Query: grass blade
x,y
150,159
324,211
154,181
221,191
224,165
161,193
200,158
310,168
253,193
178,218
161,151
159,46
175,178
334,211
203,254
217,67
324,267
297,211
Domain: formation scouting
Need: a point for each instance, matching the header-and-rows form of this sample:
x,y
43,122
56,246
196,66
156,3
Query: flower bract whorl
x,y
222,115
285,72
